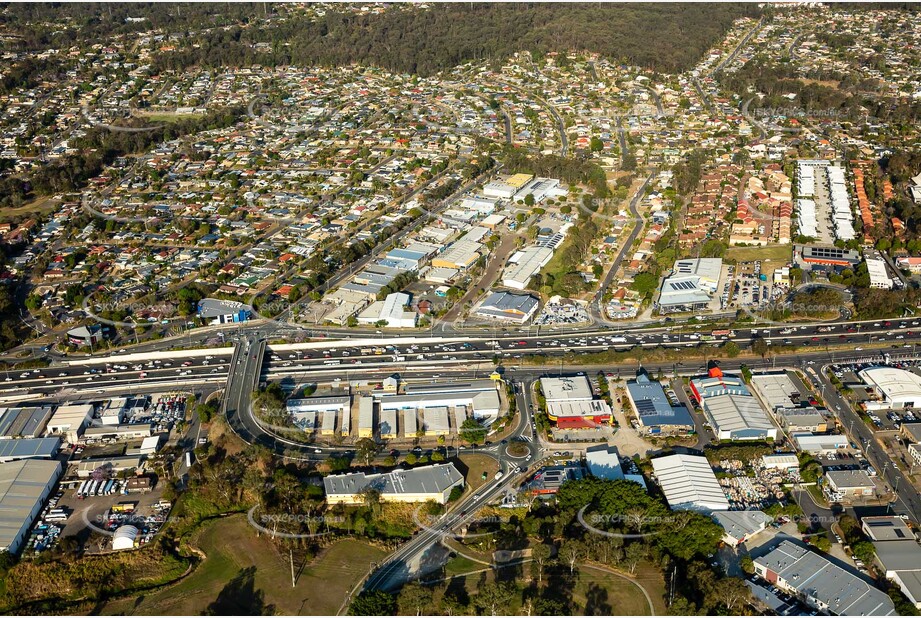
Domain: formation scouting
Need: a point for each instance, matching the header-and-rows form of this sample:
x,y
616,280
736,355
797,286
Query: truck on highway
x,y
398,359
499,475
332,362
723,333
618,339
824,329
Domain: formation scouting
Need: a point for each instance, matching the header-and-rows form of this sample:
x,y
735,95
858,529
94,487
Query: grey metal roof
x,y
23,485
29,448
843,592
433,479
899,555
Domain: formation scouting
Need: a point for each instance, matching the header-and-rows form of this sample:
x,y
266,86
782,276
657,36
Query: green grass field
x,y
775,253
246,574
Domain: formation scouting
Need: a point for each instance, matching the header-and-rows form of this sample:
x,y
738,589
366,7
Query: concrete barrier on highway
x,y
358,343
140,357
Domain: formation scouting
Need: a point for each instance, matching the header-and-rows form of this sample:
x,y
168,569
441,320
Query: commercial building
x,y
897,554
217,311
505,306
825,258
850,483
739,526
387,427
24,487
547,481
896,388
689,483
29,448
803,419
733,413
691,285
571,403
24,422
85,335
416,485
820,583
523,265
392,311
499,189
887,528
603,461
69,421
655,413
879,275
435,421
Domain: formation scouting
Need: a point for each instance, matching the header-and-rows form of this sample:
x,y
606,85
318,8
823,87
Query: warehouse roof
x,y
603,461
742,524
843,592
777,390
849,479
567,388
895,384
652,405
688,482
425,480
899,555
886,528
737,412
22,485
29,448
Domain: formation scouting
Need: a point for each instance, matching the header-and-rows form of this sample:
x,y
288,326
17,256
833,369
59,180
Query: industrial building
x,y
879,275
603,462
733,413
691,285
776,391
820,583
739,526
819,444
29,448
111,465
217,311
435,421
392,311
571,403
365,417
24,422
124,537
655,413
896,388
850,483
479,397
780,461
69,421
815,257
387,427
119,432
898,554
689,483
461,254
523,265
306,413
803,419
422,484
517,308
24,487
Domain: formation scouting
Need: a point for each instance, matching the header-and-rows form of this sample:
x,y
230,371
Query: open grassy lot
x,y
246,574
476,465
596,592
776,253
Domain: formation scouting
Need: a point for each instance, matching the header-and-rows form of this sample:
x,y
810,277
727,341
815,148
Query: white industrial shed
x,y
69,421
689,483
24,487
124,537
897,388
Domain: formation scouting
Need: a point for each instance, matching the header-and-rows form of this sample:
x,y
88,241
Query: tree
x,y
373,603
732,592
366,449
494,598
472,431
529,200
732,349
571,551
414,599
760,346
633,555
596,145
540,554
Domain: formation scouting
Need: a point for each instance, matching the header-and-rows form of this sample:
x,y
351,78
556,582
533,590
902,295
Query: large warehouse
x,y
689,483
655,413
896,388
731,409
24,487
416,485
510,307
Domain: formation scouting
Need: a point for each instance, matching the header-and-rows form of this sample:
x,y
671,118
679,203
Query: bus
x,y
188,459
